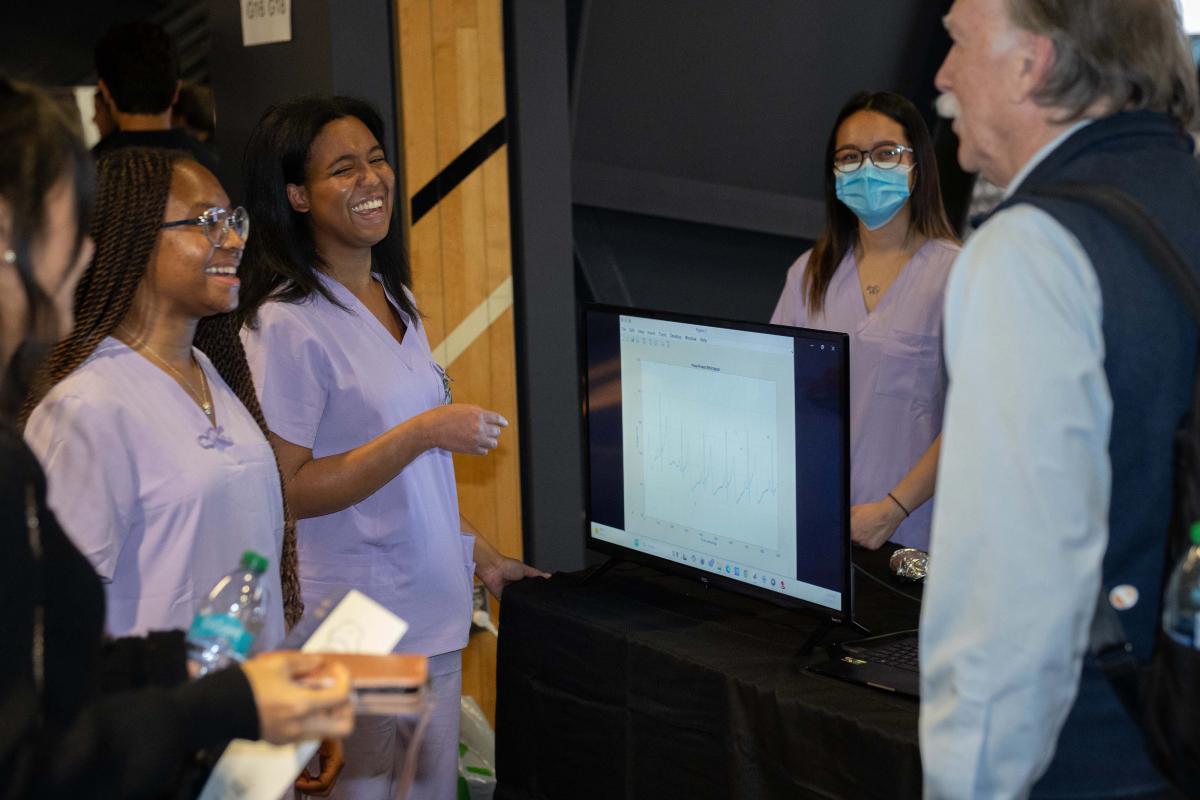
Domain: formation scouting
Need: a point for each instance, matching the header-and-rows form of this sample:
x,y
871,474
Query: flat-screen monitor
x,y
721,449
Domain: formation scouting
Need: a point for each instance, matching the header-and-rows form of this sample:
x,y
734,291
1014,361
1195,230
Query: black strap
x,y
1141,227
1107,642
1131,217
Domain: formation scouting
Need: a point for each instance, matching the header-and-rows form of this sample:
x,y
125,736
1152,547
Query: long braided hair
x,y
133,186
131,198
217,337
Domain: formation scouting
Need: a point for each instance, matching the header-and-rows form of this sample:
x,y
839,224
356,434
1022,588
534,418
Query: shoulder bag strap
x,y
1108,643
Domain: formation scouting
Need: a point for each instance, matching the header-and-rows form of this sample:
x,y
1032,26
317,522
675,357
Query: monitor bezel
x,y
843,615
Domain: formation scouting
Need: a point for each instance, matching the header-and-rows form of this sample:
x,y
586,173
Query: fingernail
x,y
504,422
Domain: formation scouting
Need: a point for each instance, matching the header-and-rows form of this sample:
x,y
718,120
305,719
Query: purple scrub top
x,y
897,374
159,501
332,379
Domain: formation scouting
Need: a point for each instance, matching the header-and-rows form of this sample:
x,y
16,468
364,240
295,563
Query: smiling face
x,y
348,188
186,272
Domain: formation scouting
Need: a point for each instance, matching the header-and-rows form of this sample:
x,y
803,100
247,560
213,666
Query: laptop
x,y
887,662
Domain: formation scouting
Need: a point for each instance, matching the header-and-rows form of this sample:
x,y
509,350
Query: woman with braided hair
x,y
82,716
157,468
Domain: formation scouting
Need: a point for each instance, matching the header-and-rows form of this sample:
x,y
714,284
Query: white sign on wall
x,y
266,21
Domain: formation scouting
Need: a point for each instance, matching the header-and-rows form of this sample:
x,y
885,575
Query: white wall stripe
x,y
471,328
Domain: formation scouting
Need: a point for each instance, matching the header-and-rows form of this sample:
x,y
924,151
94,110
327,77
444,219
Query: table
x,y
643,685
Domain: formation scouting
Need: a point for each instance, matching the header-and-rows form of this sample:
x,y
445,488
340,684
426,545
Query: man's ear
x,y
1036,54
298,196
107,95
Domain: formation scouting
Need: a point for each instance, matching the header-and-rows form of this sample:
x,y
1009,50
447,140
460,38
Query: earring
x,y
10,256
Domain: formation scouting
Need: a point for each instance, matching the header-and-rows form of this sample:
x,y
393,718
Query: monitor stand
x,y
824,629
597,573
811,643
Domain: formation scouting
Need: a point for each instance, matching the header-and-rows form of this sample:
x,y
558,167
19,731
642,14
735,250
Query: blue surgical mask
x,y
874,195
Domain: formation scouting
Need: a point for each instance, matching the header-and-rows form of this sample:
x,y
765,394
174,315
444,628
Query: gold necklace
x,y
203,397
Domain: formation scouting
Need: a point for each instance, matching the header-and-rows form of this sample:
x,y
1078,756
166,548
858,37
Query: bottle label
x,y
222,626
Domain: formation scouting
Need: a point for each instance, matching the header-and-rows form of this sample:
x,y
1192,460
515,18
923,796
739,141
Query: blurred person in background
x,y
138,75
102,115
194,113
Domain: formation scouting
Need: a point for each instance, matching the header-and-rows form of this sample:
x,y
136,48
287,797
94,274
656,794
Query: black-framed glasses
x,y
217,223
886,155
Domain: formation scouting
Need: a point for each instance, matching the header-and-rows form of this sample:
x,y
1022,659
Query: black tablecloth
x,y
642,685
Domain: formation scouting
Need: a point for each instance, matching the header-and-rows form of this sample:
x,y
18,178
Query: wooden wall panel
x,y
451,78
418,105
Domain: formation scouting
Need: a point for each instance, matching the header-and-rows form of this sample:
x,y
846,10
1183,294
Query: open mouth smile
x,y
370,207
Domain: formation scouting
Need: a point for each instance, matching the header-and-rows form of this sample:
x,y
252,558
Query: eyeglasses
x,y
887,155
217,223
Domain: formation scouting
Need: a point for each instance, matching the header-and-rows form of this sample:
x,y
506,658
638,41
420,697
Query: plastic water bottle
x,y
1181,607
226,626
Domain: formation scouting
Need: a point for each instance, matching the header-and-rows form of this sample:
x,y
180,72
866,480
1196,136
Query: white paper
x,y
357,625
253,770
266,21
261,771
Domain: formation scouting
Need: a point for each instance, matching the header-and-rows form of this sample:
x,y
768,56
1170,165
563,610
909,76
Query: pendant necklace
x,y
203,397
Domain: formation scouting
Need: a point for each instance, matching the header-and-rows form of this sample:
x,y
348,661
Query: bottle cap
x,y
1196,532
254,562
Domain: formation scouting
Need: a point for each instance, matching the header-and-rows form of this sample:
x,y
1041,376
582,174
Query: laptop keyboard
x,y
901,653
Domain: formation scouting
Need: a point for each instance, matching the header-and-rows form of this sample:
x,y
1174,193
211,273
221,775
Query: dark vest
x,y
1150,348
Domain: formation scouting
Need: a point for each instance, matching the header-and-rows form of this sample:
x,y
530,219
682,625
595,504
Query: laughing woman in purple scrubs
x,y
360,412
878,272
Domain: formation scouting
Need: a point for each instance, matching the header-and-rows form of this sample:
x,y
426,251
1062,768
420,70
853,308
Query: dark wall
x,y
337,46
718,112
46,44
671,265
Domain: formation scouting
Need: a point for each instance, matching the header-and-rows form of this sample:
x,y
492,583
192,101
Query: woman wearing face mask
x,y
878,272
61,735
359,411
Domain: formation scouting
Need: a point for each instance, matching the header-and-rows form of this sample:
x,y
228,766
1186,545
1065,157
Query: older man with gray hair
x,y
1071,366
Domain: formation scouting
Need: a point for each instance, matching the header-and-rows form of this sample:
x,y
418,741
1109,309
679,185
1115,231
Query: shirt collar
x,y
1041,155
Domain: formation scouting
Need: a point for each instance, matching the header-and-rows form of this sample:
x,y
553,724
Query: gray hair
x,y
1123,54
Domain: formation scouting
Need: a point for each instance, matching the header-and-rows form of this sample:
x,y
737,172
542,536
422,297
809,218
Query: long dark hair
x,y
281,259
40,148
928,215
134,184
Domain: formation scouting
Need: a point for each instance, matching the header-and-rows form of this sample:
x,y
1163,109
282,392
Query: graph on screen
x,y
709,449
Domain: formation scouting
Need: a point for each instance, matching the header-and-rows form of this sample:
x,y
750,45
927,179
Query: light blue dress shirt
x,y
1020,525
